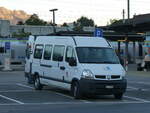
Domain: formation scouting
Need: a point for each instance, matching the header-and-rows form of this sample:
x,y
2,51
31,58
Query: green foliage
x,y
83,22
64,24
20,34
20,23
112,21
35,20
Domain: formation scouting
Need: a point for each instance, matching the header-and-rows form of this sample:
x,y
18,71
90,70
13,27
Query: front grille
x,y
100,76
105,77
115,76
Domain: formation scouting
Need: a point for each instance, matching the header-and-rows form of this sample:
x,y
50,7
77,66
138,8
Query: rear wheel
x,y
118,96
37,84
75,90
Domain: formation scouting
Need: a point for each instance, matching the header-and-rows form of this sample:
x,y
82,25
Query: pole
x,y
53,11
128,7
123,15
119,49
126,55
54,18
134,59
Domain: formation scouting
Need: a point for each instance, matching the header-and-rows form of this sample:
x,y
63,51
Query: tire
x,y
118,96
75,90
37,84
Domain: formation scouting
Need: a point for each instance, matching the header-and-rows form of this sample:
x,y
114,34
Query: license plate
x,y
109,87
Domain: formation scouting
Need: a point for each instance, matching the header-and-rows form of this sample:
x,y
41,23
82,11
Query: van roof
x,y
79,41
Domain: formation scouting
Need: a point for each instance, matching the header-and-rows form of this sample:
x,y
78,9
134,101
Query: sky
x,y
101,11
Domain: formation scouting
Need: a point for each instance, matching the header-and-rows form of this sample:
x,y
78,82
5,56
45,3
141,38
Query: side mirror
x,y
72,62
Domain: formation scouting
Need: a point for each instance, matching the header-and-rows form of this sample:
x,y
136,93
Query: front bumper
x,y
102,87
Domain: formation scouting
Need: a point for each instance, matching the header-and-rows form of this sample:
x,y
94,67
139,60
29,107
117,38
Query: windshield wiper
x,y
105,62
109,62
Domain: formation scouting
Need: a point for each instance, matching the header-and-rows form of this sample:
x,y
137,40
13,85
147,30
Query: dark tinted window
x,y
47,52
2,50
58,53
38,51
69,54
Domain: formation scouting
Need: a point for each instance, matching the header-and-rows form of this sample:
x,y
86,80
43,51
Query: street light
x,y
53,10
128,7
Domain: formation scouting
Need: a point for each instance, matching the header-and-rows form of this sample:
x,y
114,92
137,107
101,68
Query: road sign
x,y
7,45
98,32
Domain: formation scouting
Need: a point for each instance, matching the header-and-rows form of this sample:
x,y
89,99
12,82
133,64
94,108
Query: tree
x,y
35,20
64,24
21,34
112,21
83,22
20,23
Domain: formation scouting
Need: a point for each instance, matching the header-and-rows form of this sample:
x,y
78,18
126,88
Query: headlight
x,y
87,74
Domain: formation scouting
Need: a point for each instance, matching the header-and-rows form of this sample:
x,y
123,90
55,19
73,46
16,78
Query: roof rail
x,y
71,33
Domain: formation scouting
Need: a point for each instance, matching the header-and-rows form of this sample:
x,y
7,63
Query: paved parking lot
x,y
17,95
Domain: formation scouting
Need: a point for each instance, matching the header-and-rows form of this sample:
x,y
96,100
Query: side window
x,y
47,52
2,50
38,51
69,53
58,53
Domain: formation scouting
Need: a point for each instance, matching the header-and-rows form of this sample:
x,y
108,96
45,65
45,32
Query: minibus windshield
x,y
97,55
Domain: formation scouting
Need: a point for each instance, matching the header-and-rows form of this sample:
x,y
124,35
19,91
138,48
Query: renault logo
x,y
108,77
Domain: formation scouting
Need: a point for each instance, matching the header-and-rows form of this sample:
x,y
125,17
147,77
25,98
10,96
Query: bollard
x,y
126,64
7,65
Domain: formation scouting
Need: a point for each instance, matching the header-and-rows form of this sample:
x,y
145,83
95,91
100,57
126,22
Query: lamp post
x,y
128,8
53,11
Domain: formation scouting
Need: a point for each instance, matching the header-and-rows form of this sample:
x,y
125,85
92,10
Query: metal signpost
x,y
98,32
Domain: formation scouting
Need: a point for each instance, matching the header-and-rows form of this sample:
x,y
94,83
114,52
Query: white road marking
x,y
85,101
129,88
26,86
19,102
137,99
144,83
7,91
7,84
133,88
73,103
61,94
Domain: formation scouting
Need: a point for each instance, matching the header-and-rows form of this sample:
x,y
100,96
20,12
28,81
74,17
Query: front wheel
x,y
118,96
75,90
37,84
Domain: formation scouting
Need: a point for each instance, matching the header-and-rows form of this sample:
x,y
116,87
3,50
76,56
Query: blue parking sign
x,y
7,45
98,32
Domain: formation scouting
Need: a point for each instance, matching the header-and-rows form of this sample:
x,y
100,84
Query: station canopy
x,y
136,26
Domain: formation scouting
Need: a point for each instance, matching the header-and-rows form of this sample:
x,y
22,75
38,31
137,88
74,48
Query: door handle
x,y
62,68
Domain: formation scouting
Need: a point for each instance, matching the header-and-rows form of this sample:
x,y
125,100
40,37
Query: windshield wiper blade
x,y
109,62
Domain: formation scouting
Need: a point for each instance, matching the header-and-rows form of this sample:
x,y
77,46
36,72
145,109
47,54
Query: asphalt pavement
x,y
16,96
